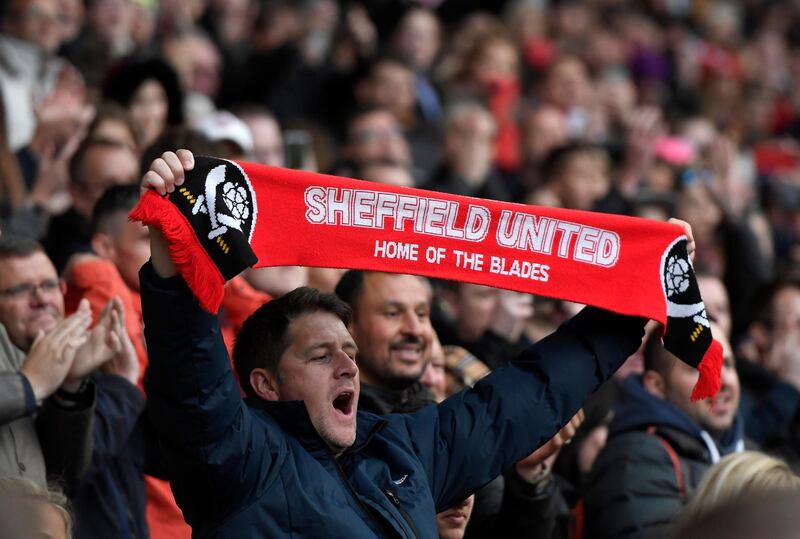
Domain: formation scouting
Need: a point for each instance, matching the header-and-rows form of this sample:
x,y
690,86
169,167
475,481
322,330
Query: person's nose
x,y
345,366
39,297
729,377
412,324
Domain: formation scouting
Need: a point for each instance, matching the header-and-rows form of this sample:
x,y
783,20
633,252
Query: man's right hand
x,y
164,175
51,355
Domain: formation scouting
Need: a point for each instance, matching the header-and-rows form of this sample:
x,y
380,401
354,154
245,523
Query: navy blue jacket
x,y
258,469
109,500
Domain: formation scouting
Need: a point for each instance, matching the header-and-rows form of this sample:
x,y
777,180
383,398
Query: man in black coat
x,y
660,445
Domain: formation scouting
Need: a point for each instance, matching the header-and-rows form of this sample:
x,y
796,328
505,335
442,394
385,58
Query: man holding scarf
x,y
270,465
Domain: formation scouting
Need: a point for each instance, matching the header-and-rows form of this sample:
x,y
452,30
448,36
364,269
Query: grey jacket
x,y
58,441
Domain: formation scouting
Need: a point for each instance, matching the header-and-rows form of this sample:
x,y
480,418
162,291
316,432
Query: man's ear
x,y
265,384
103,246
654,384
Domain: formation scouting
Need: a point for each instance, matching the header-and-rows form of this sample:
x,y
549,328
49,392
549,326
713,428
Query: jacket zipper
x,y
391,495
352,491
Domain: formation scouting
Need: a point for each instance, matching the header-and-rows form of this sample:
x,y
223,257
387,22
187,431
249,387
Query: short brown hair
x,y
264,335
16,246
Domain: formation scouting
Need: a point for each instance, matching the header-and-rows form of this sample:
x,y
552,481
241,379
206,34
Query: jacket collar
x,y
293,418
386,401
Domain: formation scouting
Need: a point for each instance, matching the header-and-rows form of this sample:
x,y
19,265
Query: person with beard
x,y
660,444
392,328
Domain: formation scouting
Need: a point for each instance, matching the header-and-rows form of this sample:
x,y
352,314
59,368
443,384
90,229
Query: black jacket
x,y
634,489
384,401
109,501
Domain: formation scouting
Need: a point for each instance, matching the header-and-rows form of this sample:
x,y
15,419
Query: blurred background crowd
x,y
650,108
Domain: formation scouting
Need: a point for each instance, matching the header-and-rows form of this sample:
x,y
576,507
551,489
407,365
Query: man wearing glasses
x,y
45,360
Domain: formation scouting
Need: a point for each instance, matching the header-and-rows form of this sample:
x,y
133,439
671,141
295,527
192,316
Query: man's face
x,y
567,85
453,522
715,298
391,86
717,415
30,297
319,368
472,133
37,22
131,249
475,305
267,140
786,310
543,130
393,329
583,181
111,20
103,167
417,39
377,137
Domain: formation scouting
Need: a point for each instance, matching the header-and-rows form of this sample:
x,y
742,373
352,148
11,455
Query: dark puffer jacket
x,y
636,489
258,469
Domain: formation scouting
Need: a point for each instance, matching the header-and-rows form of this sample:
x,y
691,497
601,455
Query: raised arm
x,y
477,434
194,401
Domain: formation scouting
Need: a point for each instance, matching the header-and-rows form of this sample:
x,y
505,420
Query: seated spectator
x,y
390,85
28,509
107,37
543,130
739,477
660,445
488,322
151,93
386,172
770,370
577,175
467,163
112,123
373,135
452,523
392,328
772,515
118,454
46,360
266,132
97,165
120,248
29,40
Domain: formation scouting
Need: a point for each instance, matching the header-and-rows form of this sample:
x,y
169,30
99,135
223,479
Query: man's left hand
x,y
533,465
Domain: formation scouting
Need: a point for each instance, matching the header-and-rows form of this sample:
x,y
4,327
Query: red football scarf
x,y
228,216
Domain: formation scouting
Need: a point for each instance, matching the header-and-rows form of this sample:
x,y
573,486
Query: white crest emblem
x,y
676,282
234,198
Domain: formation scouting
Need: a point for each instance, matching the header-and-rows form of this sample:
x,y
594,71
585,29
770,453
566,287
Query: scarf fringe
x,y
710,369
199,272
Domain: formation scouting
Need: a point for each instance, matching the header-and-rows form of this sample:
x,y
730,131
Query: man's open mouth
x,y
343,402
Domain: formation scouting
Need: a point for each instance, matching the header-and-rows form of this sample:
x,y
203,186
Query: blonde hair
x,y
24,489
737,476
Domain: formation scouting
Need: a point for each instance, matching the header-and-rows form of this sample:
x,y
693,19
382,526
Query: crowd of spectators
x,y
654,108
